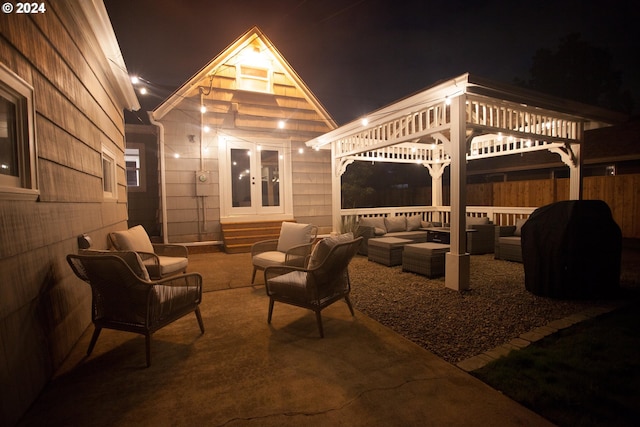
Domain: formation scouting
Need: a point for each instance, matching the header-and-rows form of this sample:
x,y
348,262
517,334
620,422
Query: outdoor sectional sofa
x,y
400,226
480,241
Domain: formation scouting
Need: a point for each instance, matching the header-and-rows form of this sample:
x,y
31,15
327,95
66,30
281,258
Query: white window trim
x,y
27,188
142,187
108,154
245,77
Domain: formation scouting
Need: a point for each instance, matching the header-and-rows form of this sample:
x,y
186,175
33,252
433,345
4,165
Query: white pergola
x,y
456,121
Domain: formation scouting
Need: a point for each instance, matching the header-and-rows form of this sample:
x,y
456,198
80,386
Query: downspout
x,y
163,180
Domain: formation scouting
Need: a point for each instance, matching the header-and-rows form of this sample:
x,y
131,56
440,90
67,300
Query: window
x,y
134,161
254,79
109,181
17,137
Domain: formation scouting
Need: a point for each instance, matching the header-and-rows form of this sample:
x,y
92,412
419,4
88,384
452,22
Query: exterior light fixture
x,y
364,121
177,156
203,109
135,80
281,124
206,129
300,150
143,91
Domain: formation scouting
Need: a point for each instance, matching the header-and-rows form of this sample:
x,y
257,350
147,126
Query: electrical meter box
x,y
204,187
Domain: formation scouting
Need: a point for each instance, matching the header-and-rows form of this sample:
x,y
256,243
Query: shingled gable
x,y
248,41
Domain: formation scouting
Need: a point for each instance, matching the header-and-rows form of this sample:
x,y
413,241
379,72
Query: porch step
x,y
239,236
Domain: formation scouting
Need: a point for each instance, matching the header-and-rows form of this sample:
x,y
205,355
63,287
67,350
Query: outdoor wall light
x,y
84,241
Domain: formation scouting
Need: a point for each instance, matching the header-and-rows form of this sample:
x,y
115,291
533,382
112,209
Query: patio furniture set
x,y
417,245
141,287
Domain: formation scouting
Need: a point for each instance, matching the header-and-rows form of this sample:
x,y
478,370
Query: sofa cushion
x,y
414,222
293,234
519,223
395,223
376,222
134,239
324,246
477,220
430,224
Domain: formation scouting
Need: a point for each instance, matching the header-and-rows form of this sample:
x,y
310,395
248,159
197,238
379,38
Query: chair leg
x,y
346,298
319,320
270,310
199,317
94,338
253,277
148,348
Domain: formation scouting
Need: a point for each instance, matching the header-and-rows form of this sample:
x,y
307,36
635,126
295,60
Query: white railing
x,y
500,215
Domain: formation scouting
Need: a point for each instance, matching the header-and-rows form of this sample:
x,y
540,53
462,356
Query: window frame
x,y
26,185
245,80
142,172
110,158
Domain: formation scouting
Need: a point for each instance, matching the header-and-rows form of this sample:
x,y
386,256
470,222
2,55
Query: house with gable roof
x,y
232,160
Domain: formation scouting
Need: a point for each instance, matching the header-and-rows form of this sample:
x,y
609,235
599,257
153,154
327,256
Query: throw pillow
x,y
324,246
395,223
134,239
414,222
519,223
377,222
293,234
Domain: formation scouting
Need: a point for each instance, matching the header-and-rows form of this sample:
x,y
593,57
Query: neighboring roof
x,y
233,49
615,143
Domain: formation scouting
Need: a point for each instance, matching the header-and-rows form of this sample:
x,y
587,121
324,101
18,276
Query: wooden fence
x,y
620,192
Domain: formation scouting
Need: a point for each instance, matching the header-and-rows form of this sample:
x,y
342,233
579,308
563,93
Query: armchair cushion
x,y
134,239
293,234
265,259
323,248
395,223
379,228
167,265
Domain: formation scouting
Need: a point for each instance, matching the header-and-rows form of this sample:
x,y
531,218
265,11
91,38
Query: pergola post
x,y
336,191
457,264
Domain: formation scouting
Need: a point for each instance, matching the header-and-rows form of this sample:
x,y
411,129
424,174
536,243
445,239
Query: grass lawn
x,y
586,375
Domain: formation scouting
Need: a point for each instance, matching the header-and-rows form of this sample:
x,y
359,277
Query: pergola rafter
x,y
460,120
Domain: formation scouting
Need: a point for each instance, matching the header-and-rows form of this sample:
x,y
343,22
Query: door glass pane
x,y
240,177
270,177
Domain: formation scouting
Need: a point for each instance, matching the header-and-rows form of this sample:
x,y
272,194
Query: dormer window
x,y
254,70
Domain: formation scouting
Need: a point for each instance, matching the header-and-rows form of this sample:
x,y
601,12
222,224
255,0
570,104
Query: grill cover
x,y
572,249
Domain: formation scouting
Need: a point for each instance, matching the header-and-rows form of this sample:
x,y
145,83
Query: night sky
x,y
359,55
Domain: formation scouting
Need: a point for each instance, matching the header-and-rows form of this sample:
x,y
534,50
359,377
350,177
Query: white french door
x,y
254,178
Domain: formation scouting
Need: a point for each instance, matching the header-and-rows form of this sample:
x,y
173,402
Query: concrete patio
x,y
243,371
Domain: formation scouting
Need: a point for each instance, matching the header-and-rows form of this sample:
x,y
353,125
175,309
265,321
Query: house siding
x,y
44,308
246,116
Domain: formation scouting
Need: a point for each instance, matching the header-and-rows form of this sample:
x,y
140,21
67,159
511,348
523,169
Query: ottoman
x,y
387,250
424,258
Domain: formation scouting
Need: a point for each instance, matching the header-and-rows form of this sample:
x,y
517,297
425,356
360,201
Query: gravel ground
x,y
455,325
